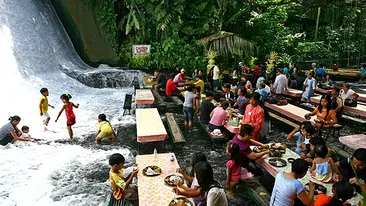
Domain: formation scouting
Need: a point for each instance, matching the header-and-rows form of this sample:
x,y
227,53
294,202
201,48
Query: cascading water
x,y
36,52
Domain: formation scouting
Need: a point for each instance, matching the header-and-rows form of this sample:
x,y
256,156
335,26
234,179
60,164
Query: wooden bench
x,y
128,104
214,138
340,152
159,102
257,192
177,101
286,121
175,132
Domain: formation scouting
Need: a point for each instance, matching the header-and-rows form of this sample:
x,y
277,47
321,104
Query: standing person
x,y
105,129
363,73
171,88
188,111
347,93
355,164
320,73
234,77
215,77
9,132
261,90
286,70
287,186
43,107
310,86
214,194
293,71
70,116
337,102
206,108
280,84
254,114
256,73
313,67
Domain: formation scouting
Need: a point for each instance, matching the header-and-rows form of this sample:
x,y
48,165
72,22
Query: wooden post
x,y
317,25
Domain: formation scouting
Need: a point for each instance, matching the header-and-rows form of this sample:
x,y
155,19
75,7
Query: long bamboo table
x,y
152,190
144,96
293,93
306,179
291,111
149,126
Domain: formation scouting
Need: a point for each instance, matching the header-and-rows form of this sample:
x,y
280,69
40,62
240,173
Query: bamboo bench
x,y
257,192
178,102
159,102
175,132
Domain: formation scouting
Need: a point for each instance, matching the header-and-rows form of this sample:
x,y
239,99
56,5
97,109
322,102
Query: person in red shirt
x,y
171,89
254,114
256,73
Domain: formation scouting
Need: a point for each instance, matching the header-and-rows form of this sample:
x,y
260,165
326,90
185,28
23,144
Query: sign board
x,y
138,50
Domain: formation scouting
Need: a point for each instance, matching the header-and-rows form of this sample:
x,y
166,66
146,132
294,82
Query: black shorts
x,y
7,139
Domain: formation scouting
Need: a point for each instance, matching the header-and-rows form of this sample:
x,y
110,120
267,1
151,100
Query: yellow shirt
x,y
201,84
105,129
44,104
118,184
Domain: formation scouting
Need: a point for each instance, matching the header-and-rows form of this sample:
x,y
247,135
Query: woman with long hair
x,y
326,116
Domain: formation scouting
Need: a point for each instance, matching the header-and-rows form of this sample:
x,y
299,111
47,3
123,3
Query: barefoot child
x,y
70,116
323,166
25,134
105,129
121,192
43,107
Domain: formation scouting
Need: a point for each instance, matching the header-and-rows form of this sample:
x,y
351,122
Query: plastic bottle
x,y
172,158
155,154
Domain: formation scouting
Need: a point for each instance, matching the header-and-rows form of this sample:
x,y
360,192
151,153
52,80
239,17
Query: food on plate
x,y
277,162
319,189
172,180
151,171
176,200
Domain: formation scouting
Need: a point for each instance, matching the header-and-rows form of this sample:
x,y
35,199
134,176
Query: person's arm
x,y
254,156
187,177
228,176
355,96
291,136
256,143
133,174
312,113
334,167
188,192
114,133
75,105
333,120
340,104
40,106
307,199
313,167
15,137
314,88
18,131
62,109
212,114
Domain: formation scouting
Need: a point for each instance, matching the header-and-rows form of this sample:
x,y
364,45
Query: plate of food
x,y
277,162
290,159
319,189
151,171
171,180
278,146
176,200
275,153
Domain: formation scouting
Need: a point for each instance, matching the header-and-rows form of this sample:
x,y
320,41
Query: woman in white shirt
x,y
348,93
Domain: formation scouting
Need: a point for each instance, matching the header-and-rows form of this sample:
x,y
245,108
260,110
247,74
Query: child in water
x,y
70,116
43,107
323,166
25,134
105,129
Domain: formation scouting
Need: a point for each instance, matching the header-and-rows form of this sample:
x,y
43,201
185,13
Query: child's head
x,y
316,141
359,158
246,132
321,150
102,117
262,85
197,157
44,91
25,129
198,77
209,95
255,99
227,88
342,191
117,161
65,98
299,167
233,150
225,105
307,130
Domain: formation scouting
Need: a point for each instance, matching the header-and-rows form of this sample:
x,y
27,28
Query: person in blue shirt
x,y
262,91
363,73
320,73
286,70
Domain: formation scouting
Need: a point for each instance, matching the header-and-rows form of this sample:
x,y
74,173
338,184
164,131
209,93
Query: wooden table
x,y
232,129
144,96
293,92
323,91
290,111
306,179
152,190
354,141
149,81
360,110
149,126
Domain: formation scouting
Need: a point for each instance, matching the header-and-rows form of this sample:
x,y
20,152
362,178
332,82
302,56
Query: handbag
x,y
281,101
350,103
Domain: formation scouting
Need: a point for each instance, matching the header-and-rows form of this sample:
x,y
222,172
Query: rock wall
x,y
84,29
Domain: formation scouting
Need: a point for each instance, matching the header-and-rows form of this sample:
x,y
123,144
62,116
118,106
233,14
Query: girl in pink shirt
x,y
233,166
218,116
